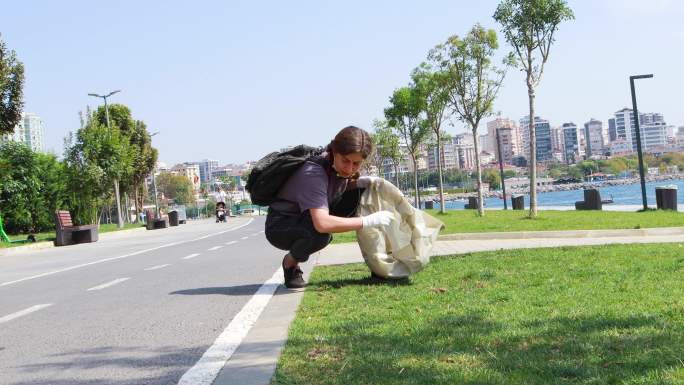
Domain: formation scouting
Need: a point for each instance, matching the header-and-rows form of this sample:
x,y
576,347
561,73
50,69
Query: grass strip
x,y
579,315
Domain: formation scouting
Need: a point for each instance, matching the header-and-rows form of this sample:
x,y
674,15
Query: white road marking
x,y
157,267
231,243
207,368
191,256
108,284
255,234
120,257
24,312
244,238
214,248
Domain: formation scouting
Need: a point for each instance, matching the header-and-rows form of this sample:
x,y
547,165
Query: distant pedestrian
x,y
300,220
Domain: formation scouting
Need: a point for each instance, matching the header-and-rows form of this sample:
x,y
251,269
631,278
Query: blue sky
x,y
233,80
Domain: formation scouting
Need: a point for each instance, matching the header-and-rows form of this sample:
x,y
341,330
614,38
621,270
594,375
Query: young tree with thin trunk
x,y
388,148
435,87
405,116
529,27
475,82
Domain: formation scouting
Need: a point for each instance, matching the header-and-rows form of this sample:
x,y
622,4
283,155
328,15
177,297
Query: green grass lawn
x,y
587,315
49,236
467,221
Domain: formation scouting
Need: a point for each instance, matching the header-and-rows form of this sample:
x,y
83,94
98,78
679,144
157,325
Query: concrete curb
x,y
48,244
565,234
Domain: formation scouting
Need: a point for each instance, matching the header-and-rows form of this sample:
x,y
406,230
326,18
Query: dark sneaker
x,y
293,278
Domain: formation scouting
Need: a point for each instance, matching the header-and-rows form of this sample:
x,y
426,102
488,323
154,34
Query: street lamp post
x,y
503,182
119,221
638,136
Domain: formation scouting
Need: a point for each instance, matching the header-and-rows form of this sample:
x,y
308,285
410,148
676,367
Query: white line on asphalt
x,y
120,257
24,312
157,267
207,368
108,284
230,243
243,238
191,256
214,248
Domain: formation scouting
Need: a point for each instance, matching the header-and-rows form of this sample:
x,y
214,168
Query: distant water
x,y
624,195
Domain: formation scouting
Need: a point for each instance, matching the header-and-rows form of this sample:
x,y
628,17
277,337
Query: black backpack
x,y
272,171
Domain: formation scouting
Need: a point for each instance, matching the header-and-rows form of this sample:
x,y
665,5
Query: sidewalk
x,y
5,251
254,362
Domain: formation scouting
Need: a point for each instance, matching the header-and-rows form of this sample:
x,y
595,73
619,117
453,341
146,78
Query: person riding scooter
x,y
220,212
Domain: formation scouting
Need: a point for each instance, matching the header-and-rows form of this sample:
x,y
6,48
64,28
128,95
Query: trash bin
x,y
666,197
429,205
472,203
182,214
173,218
518,202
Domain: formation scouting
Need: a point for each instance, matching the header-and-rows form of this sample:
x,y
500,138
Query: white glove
x,y
365,181
381,218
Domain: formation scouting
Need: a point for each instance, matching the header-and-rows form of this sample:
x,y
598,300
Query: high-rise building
x,y
593,134
486,142
624,126
651,118
447,156
679,136
544,150
506,139
464,151
29,131
612,132
557,139
515,135
571,143
651,125
206,167
653,136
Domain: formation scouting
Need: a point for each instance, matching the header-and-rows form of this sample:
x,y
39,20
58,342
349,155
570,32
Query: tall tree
x,y
11,89
31,188
435,86
529,27
475,82
388,148
94,157
175,187
405,116
144,160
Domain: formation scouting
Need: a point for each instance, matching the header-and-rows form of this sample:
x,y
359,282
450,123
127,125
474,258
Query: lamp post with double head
x,y
119,221
637,132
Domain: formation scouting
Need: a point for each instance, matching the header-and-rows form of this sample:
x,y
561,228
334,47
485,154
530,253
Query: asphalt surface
x,y
130,309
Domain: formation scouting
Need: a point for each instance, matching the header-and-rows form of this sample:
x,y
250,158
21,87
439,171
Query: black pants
x,y
296,233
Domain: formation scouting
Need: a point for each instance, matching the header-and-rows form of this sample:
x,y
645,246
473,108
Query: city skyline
x,y
218,87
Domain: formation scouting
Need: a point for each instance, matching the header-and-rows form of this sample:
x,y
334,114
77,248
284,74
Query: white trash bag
x,y
403,247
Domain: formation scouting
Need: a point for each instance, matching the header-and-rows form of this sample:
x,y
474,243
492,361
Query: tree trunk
x,y
533,155
415,181
396,175
480,200
439,171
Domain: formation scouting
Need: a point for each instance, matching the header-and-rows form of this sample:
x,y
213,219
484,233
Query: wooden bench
x,y
68,234
153,223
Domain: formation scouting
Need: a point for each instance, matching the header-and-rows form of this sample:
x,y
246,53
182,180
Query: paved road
x,y
137,308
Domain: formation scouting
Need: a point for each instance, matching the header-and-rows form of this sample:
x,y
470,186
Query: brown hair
x,y
349,140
